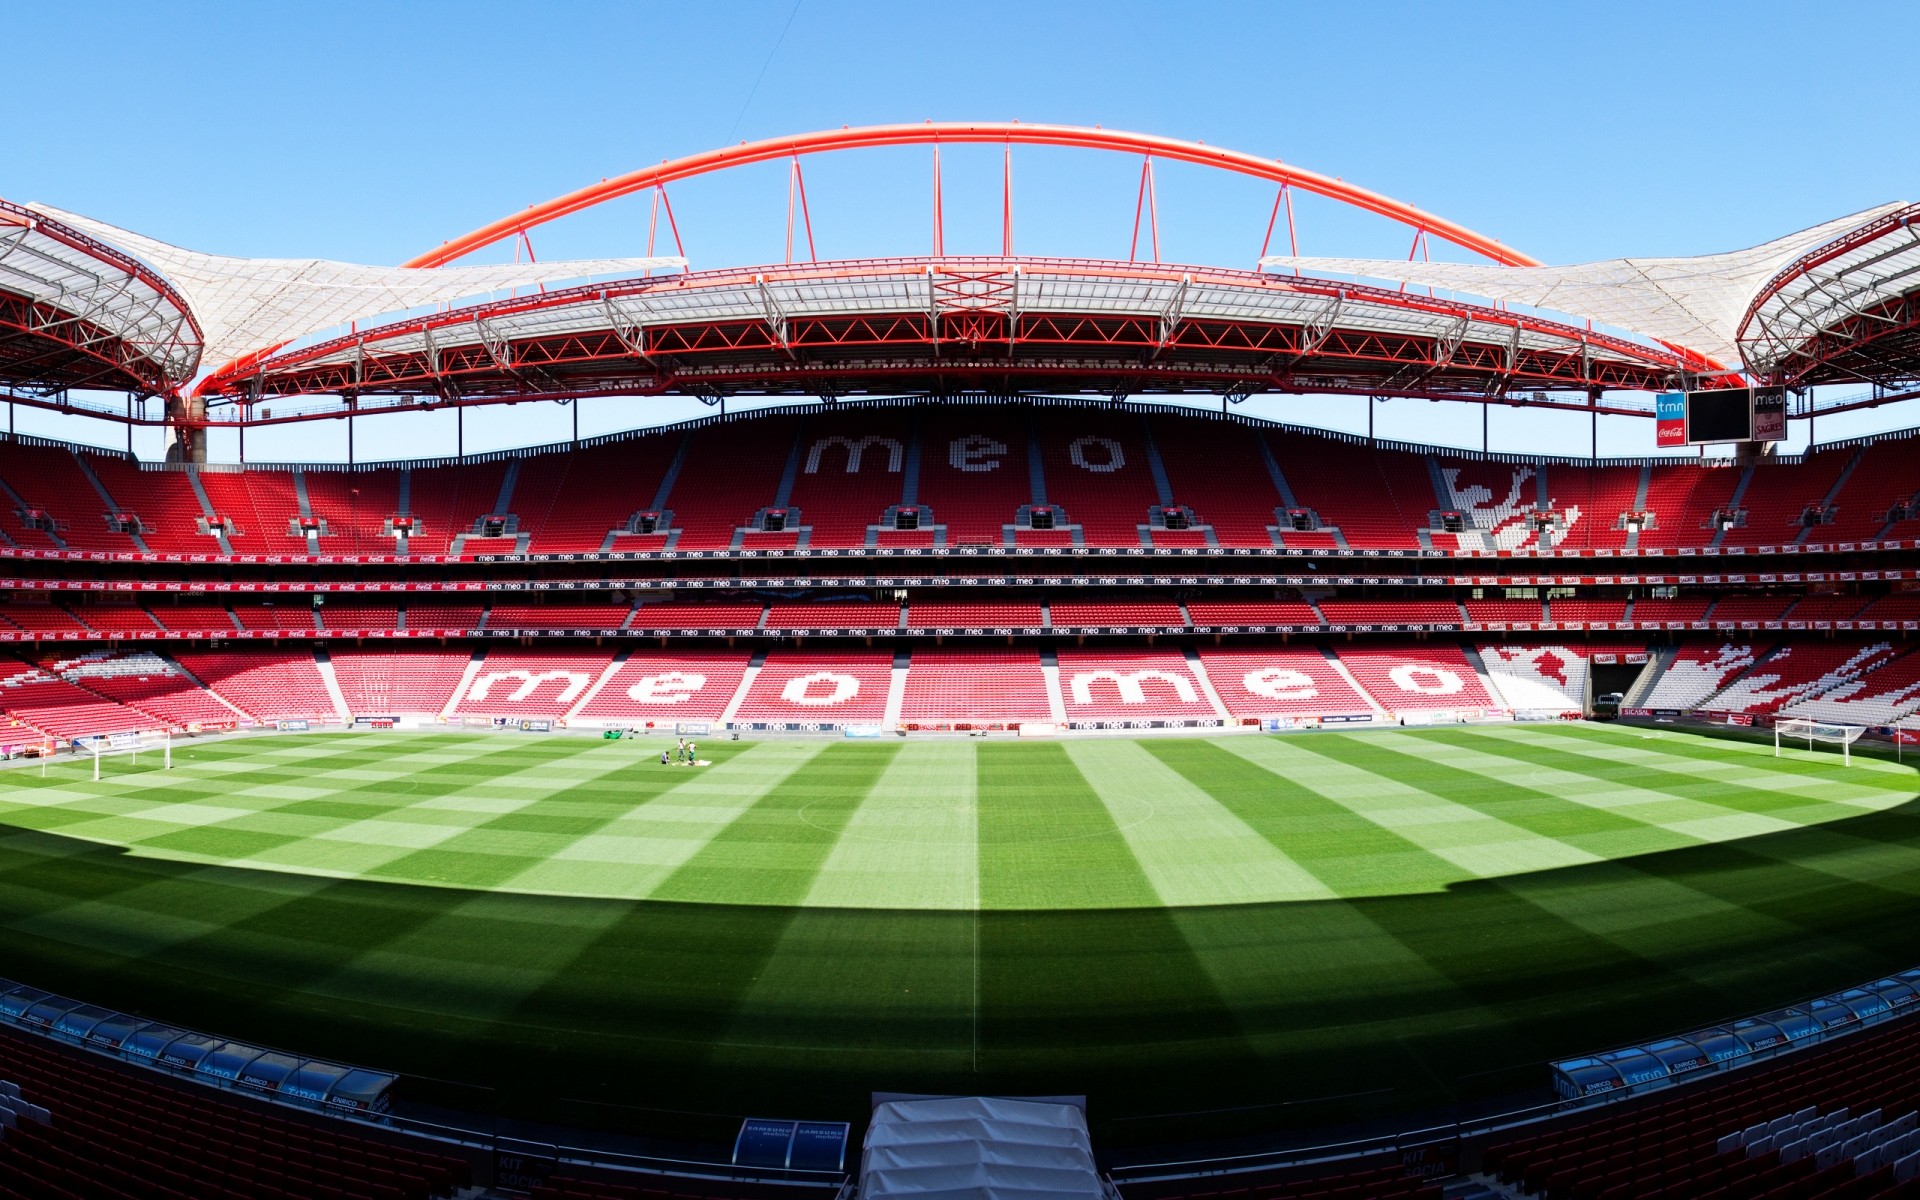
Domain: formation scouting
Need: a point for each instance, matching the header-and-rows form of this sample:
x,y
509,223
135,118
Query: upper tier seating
x,y
392,682
975,685
1733,612
568,503
452,618
1080,614
1131,685
1776,504
195,618
830,688
269,686
1097,468
1280,681
356,506
557,616
656,688
1504,612
530,683
1799,671
852,467
670,617
117,1132
969,469
1223,479
972,615
41,617
1682,498
262,504
1251,612
1698,671
1824,608
1679,609
1592,500
293,614
1376,498
1497,499
447,500
1863,507
1433,675
833,616
1390,612
973,471
163,500
1587,612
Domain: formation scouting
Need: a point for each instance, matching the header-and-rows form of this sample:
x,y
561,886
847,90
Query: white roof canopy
x,y
248,304
1693,302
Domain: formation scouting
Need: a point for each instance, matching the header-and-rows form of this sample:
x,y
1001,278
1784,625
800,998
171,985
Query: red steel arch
x,y
995,132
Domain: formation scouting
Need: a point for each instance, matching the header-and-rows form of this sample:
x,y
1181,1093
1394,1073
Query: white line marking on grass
x,y
1192,848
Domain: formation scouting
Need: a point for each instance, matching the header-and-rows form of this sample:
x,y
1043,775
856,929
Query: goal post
x,y
1828,732
107,745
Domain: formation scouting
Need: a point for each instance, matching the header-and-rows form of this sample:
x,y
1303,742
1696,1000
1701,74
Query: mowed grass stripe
x,y
633,855
1610,818
1749,801
1794,787
1477,843
1192,848
67,797
1352,855
461,949
771,851
278,814
1042,826
1045,979
1319,966
494,852
361,834
913,842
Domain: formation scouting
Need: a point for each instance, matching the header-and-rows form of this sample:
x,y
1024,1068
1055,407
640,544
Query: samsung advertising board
x,y
1731,415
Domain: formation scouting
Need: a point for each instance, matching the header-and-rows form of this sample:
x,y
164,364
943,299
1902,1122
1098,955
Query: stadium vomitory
x,y
981,706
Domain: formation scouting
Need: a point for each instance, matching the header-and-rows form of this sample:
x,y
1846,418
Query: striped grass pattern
x,y
1410,916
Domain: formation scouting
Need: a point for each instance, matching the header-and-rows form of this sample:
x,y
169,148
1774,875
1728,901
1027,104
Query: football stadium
x,y
973,754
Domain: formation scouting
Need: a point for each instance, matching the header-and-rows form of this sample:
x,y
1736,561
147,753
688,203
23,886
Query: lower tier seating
x,y
117,1132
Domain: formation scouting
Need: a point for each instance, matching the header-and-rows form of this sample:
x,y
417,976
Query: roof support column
x,y
186,429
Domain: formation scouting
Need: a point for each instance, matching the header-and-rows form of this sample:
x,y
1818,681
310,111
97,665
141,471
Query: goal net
x,y
155,744
1810,731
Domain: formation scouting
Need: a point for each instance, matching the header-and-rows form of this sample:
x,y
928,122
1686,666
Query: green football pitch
x,y
1330,922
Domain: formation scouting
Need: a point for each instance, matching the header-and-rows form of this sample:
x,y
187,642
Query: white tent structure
x,y
1693,302
243,305
978,1148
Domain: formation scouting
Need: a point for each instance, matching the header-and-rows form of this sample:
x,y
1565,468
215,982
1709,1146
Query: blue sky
x,y
369,132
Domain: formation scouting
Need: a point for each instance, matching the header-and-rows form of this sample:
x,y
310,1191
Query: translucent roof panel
x,y
1697,302
246,305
